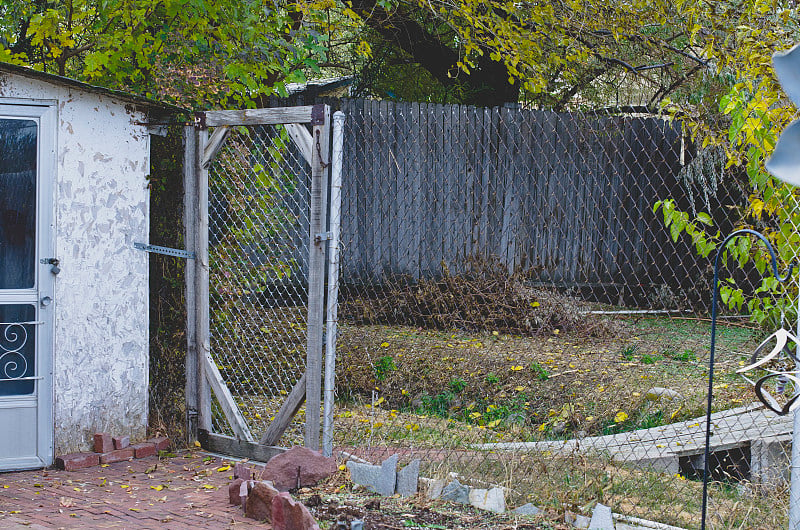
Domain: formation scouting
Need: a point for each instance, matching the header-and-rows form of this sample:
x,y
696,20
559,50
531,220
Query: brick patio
x,y
185,491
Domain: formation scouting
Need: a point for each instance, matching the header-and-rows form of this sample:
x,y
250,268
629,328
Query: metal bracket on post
x,y
318,115
324,236
176,252
200,120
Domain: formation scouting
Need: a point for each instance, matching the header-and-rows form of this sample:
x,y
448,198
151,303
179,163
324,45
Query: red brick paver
x,y
186,491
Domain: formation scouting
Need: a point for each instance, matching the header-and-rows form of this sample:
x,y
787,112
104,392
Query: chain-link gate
x,y
259,281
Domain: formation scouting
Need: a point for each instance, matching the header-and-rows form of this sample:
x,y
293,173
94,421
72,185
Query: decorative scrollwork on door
x,y
13,338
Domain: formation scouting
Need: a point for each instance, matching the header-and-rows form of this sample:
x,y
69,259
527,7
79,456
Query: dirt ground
x,y
189,490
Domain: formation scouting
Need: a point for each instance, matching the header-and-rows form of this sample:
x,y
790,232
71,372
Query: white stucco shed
x,y
74,162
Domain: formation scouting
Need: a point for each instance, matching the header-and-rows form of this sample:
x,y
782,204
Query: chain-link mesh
x,y
514,311
258,254
167,397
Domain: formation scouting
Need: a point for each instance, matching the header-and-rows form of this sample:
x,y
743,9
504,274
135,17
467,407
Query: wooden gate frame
x,y
202,374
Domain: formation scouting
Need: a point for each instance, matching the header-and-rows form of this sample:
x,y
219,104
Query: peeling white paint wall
x,y
100,362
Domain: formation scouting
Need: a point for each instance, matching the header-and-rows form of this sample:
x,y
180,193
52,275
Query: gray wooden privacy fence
x,y
567,197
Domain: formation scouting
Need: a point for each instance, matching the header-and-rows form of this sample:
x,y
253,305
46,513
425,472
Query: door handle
x,y
46,301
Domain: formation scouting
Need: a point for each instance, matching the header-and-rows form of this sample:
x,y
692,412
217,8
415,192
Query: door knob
x,y
46,301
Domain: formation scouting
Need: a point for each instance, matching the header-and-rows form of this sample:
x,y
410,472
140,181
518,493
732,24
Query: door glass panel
x,y
17,349
18,139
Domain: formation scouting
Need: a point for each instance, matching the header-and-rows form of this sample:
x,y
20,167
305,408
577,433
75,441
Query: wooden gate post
x,y
190,156
320,169
201,285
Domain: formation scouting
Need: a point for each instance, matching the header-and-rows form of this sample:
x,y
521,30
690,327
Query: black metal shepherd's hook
x,y
781,279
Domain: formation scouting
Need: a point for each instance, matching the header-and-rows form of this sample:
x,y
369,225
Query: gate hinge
x,y
318,114
178,253
324,236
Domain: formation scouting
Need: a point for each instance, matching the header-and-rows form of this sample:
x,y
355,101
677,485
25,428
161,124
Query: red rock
x,y
103,442
288,514
121,442
74,461
311,466
117,456
259,502
162,444
243,471
233,492
143,450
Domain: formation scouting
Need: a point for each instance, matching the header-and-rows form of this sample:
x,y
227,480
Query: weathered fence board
x,y
565,196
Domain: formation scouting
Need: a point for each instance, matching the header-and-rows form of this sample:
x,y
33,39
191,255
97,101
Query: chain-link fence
x,y
523,303
259,197
515,311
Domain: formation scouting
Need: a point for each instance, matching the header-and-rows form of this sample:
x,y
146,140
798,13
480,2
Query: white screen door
x,y
26,285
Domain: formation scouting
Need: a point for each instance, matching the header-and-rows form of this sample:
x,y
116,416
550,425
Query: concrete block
x,y
769,463
380,479
527,509
577,520
456,492
432,487
601,518
492,500
408,479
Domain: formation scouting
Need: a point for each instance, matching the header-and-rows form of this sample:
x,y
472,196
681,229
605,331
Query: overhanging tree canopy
x,y
195,52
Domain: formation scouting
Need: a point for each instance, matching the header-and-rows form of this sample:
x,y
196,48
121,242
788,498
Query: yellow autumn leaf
x,y
224,468
342,467
157,488
208,487
124,486
384,344
620,417
493,424
196,443
516,368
